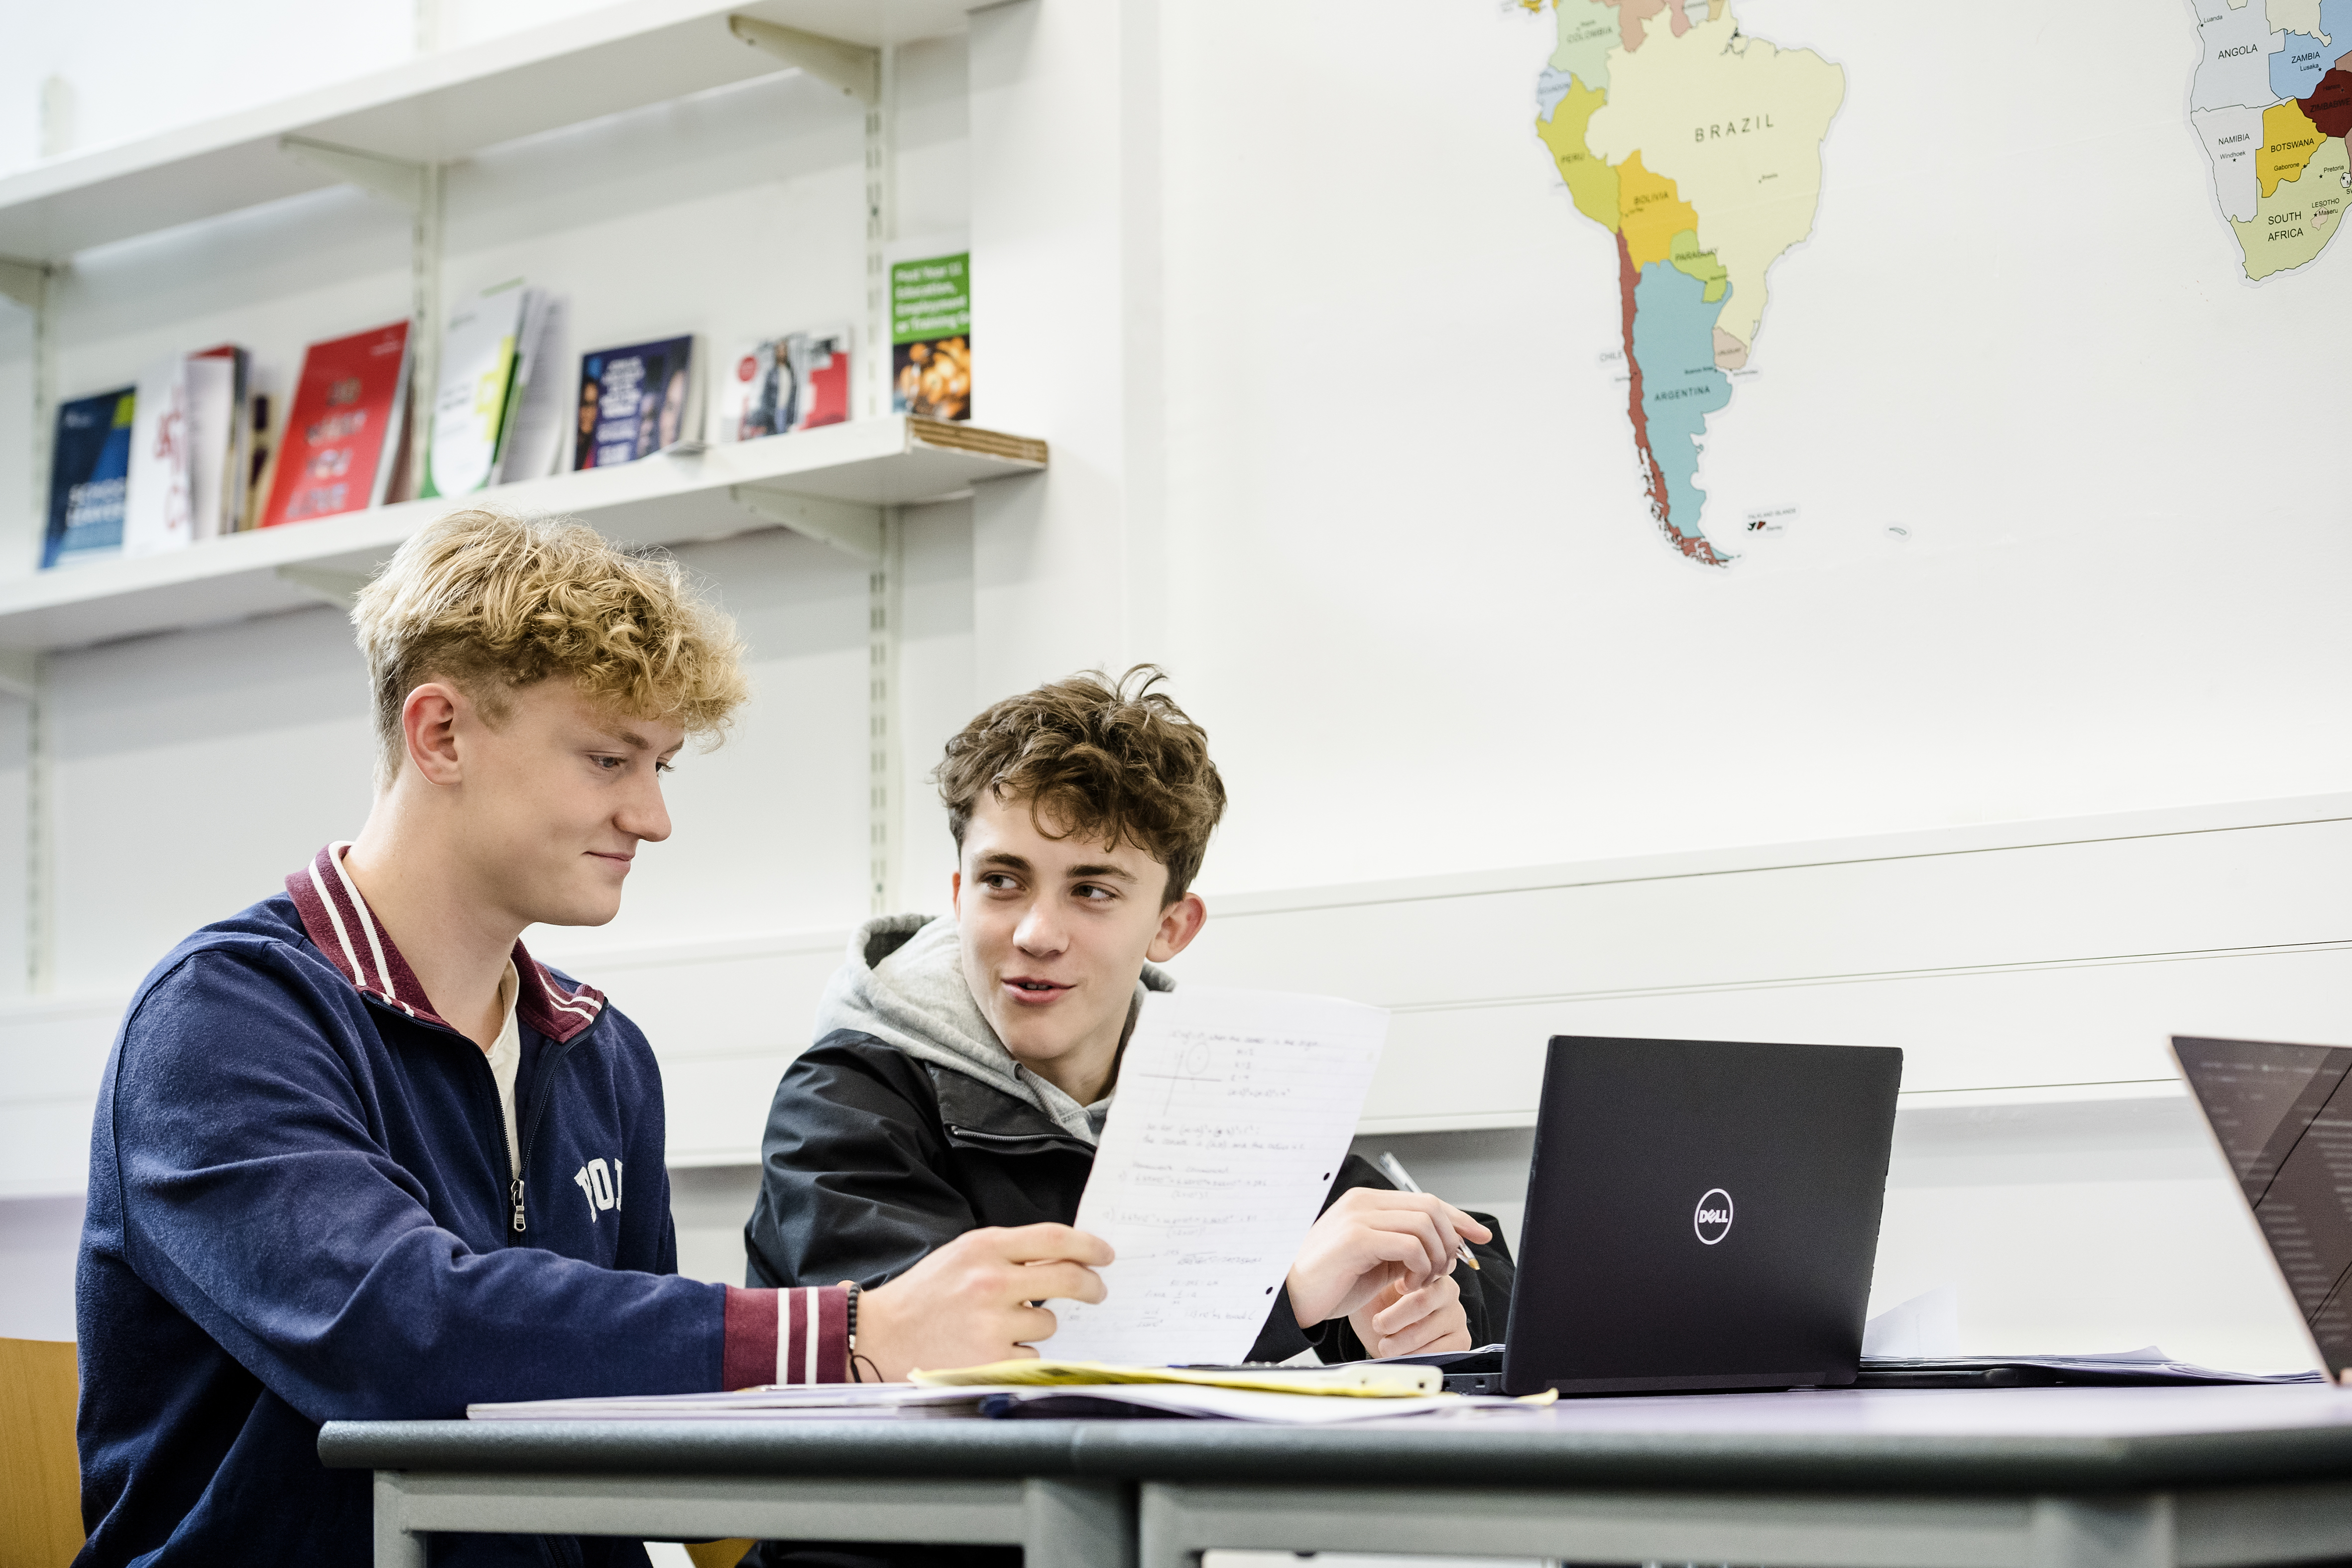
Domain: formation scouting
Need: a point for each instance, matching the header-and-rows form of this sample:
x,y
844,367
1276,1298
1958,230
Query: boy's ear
x,y
1179,924
429,729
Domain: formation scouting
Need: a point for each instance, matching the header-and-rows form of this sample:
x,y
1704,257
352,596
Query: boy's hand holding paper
x,y
989,1277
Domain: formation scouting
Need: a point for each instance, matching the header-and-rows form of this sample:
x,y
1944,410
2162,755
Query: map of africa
x,y
1700,149
2271,100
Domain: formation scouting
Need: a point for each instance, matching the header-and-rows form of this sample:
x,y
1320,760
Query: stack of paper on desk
x,y
1354,1379
901,1401
801,1401
1130,1401
2147,1366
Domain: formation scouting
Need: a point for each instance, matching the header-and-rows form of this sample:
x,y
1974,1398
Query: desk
x,y
2059,1478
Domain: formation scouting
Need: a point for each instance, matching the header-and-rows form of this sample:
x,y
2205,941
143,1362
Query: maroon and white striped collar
x,y
355,942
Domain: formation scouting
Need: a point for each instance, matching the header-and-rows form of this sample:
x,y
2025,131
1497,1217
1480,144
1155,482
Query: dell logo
x,y
1712,1221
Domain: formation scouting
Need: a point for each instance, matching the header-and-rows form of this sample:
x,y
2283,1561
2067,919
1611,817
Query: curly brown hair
x,y
494,602
1096,759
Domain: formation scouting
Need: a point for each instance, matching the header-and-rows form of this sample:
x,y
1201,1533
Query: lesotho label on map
x,y
1700,149
2272,102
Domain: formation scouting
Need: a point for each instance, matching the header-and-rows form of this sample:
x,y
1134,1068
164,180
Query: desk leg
x,y
2125,1531
394,1546
1078,1524
1160,1533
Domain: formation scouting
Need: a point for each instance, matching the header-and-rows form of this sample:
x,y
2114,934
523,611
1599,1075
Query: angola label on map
x,y
1700,149
2271,100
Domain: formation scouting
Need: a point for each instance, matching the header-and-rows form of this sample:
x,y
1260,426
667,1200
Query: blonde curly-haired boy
x,y
358,1155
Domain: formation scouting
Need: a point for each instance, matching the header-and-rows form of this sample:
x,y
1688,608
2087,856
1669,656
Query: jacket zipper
x,y
555,1055
560,1049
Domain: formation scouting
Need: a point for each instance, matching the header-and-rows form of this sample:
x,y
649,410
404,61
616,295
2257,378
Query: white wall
x,y
1411,586
1316,337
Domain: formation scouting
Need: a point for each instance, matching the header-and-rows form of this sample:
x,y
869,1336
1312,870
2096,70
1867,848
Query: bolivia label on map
x,y
2271,100
1700,149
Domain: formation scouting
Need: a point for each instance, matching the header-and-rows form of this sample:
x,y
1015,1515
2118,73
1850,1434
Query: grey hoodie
x,y
903,984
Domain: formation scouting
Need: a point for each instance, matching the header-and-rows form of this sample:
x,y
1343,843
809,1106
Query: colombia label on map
x,y
1700,149
2271,100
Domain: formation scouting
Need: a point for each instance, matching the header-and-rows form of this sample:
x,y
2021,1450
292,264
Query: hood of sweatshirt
x,y
903,984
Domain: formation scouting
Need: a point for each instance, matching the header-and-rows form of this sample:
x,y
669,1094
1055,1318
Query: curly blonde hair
x,y
493,602
1095,759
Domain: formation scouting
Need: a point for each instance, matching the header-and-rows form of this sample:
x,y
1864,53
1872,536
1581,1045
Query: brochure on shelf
x,y
481,351
931,328
344,428
211,430
636,401
223,458
89,469
158,506
773,386
532,443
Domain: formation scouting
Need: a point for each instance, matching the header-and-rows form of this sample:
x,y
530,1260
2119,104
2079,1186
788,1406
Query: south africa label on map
x,y
1700,149
2271,100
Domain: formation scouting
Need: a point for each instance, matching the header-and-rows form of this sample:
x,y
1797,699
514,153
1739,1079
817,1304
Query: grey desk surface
x,y
2074,1440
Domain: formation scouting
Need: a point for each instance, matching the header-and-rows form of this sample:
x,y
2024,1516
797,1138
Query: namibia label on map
x,y
1700,149
2272,102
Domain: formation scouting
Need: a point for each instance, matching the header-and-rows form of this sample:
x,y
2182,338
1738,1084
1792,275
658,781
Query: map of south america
x,y
1700,150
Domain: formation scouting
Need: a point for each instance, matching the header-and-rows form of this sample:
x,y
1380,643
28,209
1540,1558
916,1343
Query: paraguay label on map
x,y
2271,100
1700,149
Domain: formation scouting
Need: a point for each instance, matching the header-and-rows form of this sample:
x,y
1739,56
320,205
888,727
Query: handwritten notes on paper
x,y
1235,1110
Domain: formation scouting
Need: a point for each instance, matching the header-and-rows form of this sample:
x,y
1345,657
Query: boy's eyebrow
x,y
1099,872
1004,858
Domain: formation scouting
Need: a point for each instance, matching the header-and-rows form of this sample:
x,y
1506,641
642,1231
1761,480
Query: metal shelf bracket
x,y
853,529
339,589
410,184
852,68
25,282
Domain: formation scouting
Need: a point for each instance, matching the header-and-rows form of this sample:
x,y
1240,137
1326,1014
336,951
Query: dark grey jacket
x,y
873,1159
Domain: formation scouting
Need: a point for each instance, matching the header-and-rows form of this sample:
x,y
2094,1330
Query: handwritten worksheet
x,y
1235,1110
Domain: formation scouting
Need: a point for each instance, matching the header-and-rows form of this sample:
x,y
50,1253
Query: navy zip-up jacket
x,y
301,1210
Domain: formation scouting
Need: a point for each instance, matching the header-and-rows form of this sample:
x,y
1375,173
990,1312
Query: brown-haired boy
x,y
358,1155
963,1068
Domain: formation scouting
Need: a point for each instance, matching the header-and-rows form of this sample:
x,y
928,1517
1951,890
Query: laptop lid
x,y
1701,1214
2282,1116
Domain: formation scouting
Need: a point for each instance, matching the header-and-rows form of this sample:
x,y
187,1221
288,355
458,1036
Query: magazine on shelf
x,y
158,503
773,386
931,332
225,459
212,432
344,428
634,401
533,443
89,470
254,488
482,351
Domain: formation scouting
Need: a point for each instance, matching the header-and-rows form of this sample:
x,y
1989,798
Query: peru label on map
x,y
1700,149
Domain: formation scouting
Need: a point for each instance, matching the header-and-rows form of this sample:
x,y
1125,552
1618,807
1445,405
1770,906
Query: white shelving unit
x,y
393,134
830,484
427,111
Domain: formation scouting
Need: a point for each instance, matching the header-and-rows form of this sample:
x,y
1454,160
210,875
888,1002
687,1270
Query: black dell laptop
x,y
1701,1215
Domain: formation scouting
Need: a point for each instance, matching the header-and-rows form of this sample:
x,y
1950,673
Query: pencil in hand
x,y
1393,1168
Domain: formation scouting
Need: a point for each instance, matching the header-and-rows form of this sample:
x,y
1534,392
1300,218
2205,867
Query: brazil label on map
x,y
1700,149
2271,100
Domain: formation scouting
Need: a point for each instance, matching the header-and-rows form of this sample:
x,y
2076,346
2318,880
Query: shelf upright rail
x,y
871,76
885,822
25,675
